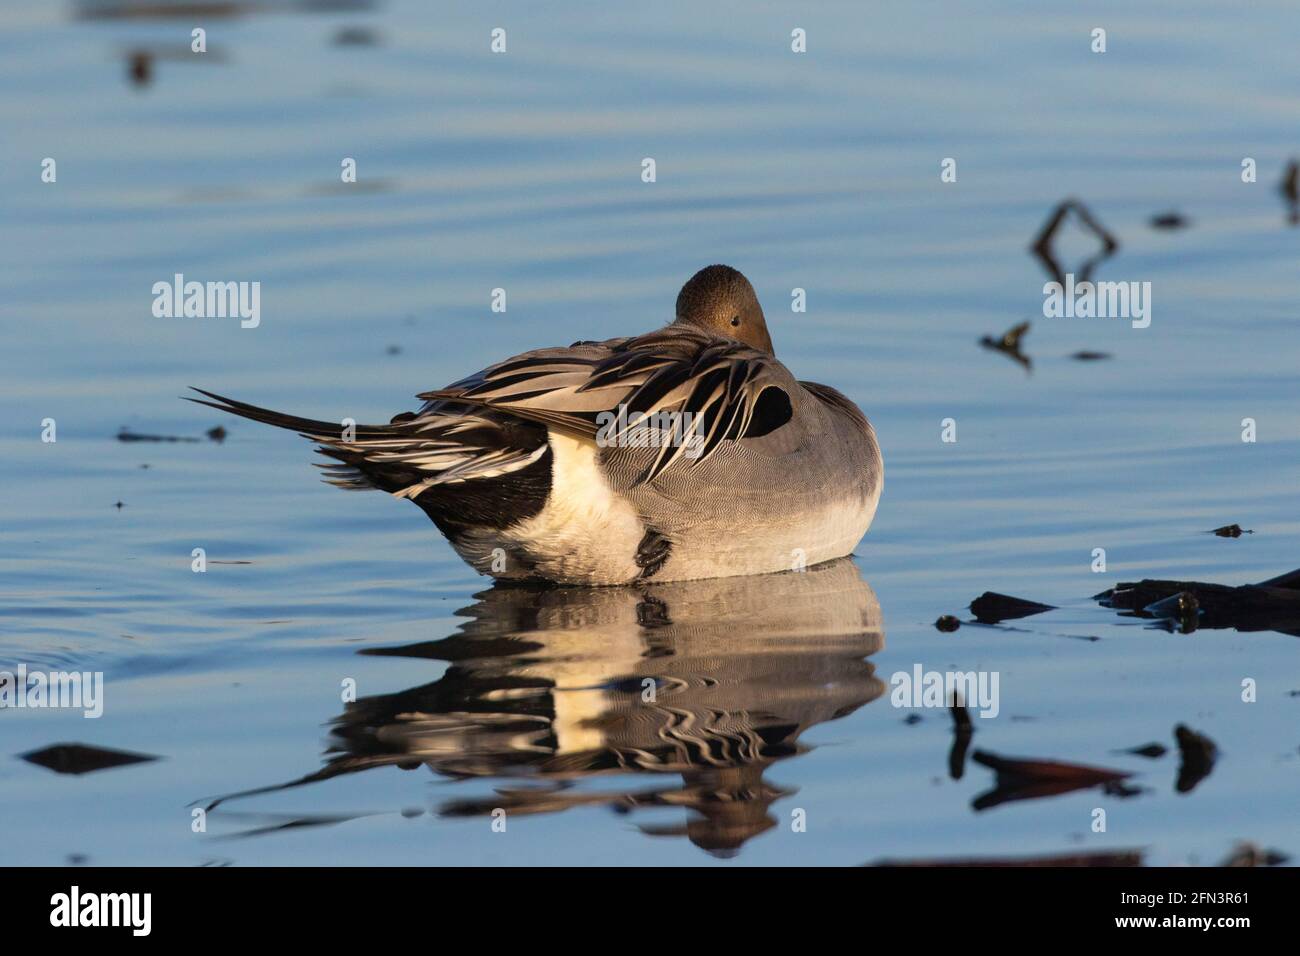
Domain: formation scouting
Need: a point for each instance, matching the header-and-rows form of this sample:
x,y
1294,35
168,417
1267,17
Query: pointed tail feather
x,y
307,427
413,453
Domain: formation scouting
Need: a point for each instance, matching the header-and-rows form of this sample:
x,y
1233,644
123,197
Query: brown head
x,y
720,300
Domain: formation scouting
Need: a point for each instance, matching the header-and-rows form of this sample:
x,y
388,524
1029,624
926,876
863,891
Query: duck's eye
x,y
735,321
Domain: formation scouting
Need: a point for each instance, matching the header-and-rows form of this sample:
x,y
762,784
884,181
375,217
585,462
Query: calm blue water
x,y
523,171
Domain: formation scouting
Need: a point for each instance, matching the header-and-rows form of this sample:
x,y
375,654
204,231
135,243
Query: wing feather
x,y
713,384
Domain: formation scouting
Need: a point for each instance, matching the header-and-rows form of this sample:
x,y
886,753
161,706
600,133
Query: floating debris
x,y
1019,779
140,67
1248,854
1092,858
1182,609
962,730
1170,220
1042,246
992,608
1009,344
217,434
1290,189
141,62
1010,339
1086,356
1151,751
1198,753
947,623
1035,770
394,350
82,758
912,719
356,36
1230,531
119,506
125,435
1122,790
212,10
1272,605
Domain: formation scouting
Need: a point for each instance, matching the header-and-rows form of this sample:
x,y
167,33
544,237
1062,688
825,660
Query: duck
x,y
688,452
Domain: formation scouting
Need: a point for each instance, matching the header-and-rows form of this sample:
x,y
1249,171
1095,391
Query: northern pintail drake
x,y
688,452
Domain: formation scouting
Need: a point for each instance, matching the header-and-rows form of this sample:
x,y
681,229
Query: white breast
x,y
585,534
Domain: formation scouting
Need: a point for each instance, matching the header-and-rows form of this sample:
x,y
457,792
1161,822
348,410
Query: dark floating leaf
x,y
1011,338
961,718
1151,751
82,758
1086,356
1272,605
1248,854
1230,531
217,434
1019,779
990,608
1198,753
962,731
947,624
1122,790
1035,770
1093,858
1290,189
1170,220
1043,249
125,435
140,67
1009,344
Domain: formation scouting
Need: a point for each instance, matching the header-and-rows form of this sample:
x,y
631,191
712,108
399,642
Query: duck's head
x,y
720,300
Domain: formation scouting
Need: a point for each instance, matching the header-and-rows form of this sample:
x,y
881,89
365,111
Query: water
x,y
479,171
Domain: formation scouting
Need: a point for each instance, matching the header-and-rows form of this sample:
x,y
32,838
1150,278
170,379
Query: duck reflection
x,y
706,681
